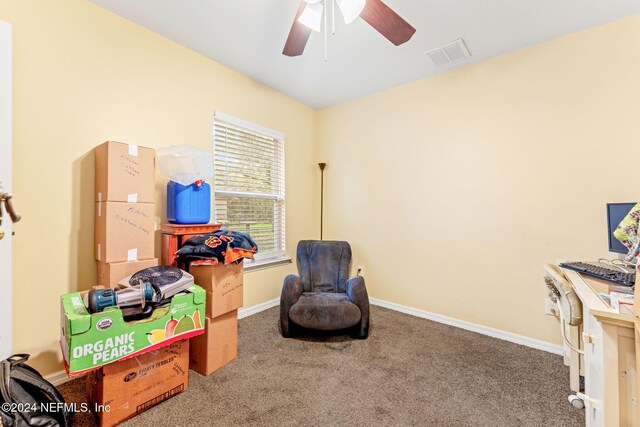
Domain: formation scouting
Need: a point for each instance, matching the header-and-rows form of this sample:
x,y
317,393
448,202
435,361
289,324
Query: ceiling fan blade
x,y
298,35
387,22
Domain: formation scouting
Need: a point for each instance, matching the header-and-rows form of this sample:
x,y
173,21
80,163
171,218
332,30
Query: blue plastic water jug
x,y
188,204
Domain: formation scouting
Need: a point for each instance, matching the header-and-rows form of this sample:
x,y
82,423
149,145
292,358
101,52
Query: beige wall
x,y
454,190
83,75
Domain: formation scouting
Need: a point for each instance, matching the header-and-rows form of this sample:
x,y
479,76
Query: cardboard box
x,y
223,284
89,341
124,231
125,173
217,346
109,274
122,390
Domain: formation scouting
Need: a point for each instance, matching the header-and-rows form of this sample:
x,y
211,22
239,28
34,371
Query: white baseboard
x,y
59,378
248,311
495,333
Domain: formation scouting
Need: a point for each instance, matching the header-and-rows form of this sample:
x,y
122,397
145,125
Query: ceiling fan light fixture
x,y
311,16
351,9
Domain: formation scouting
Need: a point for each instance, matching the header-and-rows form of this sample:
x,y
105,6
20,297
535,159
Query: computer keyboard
x,y
597,270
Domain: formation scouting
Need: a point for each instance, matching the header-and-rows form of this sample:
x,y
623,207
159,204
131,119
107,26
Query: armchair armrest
x,y
357,293
291,291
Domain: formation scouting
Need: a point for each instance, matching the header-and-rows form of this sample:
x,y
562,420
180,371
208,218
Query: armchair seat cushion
x,y
324,311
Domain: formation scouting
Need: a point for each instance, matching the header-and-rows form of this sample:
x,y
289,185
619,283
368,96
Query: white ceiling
x,y
248,36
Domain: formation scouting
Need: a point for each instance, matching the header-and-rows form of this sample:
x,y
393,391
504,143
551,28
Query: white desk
x,y
609,356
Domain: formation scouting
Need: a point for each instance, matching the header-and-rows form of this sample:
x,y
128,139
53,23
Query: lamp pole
x,y
322,166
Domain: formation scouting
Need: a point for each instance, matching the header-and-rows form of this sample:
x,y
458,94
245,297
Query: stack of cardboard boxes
x,y
124,214
125,244
219,343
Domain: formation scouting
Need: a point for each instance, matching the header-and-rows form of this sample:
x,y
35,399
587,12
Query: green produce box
x,y
89,341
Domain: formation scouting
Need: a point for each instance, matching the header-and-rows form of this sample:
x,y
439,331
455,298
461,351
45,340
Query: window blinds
x,y
249,183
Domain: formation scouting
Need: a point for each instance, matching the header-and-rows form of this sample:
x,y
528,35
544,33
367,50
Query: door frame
x,y
5,177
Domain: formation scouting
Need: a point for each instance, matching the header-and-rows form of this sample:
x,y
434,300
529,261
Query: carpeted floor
x,y
409,371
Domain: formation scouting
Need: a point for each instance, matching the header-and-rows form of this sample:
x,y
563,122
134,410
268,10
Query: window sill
x,y
262,265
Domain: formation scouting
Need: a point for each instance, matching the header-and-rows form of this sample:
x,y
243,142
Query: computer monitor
x,y
616,213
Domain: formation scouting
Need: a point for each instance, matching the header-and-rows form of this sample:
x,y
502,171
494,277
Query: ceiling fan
x,y
374,12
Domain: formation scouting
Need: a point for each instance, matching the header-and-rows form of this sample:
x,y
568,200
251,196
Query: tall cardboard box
x,y
132,386
124,231
124,173
224,286
110,274
217,346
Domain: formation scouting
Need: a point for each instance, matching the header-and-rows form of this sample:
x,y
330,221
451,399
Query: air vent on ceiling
x,y
449,53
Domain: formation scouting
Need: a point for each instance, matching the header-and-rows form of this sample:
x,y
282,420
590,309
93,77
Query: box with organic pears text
x,y
89,341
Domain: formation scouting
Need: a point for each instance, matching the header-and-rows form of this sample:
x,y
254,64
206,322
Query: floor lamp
x,y
322,166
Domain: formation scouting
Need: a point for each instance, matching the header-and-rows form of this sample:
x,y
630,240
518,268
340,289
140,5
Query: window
x,y
249,183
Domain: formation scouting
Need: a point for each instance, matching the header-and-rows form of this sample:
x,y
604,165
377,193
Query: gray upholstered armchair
x,y
322,297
